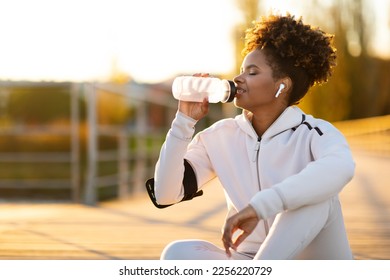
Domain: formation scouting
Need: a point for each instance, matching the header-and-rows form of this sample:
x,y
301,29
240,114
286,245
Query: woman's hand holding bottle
x,y
195,110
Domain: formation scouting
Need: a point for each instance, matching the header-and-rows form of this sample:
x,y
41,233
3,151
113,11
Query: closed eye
x,y
252,69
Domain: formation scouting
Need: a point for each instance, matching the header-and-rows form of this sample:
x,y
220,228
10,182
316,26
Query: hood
x,y
290,118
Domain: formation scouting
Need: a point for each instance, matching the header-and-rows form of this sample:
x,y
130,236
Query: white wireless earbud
x,y
281,87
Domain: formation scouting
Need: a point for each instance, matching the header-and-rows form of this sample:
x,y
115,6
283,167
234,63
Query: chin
x,y
237,102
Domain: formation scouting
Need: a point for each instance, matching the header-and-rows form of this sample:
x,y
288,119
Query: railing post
x,y
141,151
92,146
123,164
75,145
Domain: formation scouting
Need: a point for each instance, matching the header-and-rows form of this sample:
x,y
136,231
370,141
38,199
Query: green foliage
x,y
38,104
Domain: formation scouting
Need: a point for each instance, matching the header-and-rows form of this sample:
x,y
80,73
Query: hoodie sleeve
x,y
332,168
169,170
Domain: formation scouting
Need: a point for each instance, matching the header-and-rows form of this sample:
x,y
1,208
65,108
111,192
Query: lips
x,y
240,91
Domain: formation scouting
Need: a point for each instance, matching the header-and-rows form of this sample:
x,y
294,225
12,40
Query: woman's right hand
x,y
195,110
246,220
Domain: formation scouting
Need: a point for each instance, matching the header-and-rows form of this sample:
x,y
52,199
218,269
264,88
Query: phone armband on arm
x,y
189,182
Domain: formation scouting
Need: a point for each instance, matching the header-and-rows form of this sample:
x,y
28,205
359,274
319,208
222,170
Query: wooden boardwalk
x,y
134,229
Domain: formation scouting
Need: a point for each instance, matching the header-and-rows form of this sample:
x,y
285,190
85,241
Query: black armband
x,y
189,183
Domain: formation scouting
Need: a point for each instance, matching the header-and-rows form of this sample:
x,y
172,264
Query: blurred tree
x,y
250,10
38,103
113,108
331,100
359,87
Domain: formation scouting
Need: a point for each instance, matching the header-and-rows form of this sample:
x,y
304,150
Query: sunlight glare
x,y
79,40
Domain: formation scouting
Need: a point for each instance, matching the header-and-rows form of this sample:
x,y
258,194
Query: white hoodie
x,y
298,161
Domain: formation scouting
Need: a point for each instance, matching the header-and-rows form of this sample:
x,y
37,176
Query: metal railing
x,y
70,157
130,178
84,181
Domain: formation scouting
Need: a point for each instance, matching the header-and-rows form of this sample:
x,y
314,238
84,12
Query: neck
x,y
262,120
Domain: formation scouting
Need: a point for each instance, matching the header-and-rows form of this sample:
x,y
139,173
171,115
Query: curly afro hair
x,y
293,49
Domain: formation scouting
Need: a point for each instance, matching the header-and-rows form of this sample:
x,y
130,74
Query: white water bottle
x,y
195,89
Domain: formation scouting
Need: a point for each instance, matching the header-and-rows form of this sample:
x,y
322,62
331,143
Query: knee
x,y
175,251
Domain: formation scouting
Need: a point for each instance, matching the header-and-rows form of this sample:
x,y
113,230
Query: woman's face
x,y
256,88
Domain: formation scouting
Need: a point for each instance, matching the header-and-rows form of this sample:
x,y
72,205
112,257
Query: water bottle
x,y
195,89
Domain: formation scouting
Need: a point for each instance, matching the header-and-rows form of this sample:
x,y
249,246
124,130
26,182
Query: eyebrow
x,y
250,66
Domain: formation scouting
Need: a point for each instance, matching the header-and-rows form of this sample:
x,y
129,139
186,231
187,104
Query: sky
x,y
150,40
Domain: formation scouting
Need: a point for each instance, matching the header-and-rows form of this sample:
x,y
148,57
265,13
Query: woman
x,y
281,170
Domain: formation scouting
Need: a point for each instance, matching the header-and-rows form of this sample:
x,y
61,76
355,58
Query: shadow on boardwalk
x,y
134,229
366,206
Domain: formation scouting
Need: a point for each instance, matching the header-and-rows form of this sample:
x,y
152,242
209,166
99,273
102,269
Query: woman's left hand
x,y
245,220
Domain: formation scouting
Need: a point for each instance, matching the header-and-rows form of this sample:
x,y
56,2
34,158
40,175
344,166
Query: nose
x,y
238,78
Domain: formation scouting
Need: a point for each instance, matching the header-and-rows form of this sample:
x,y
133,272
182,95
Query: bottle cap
x,y
232,90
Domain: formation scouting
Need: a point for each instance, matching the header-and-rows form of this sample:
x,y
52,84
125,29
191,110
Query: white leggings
x,y
311,232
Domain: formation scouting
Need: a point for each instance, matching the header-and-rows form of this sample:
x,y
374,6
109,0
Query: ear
x,y
283,86
287,84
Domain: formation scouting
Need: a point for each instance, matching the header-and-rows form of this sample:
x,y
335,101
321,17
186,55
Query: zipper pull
x,y
257,149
